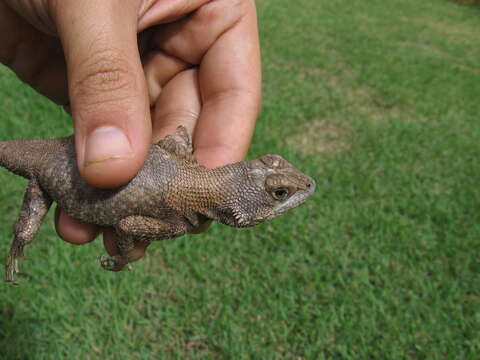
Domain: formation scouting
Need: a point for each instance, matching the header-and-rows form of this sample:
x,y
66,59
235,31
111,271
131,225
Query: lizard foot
x,y
11,268
115,263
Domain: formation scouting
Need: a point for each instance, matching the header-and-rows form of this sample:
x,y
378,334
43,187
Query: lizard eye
x,y
280,193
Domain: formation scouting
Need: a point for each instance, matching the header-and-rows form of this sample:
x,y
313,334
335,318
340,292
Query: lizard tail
x,y
24,157
16,157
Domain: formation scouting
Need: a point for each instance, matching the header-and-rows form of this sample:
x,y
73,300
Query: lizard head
x,y
272,187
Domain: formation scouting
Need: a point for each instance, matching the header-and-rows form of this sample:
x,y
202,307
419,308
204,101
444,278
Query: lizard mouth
x,y
297,198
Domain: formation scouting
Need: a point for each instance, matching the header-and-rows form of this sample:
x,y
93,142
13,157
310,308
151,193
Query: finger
x,y
36,58
230,84
229,76
159,68
108,94
110,245
178,104
155,12
202,227
74,231
191,37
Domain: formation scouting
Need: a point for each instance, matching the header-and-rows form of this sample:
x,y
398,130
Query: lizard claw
x,y
112,264
11,268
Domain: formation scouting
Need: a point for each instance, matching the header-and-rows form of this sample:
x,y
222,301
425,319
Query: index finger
x,y
221,37
230,84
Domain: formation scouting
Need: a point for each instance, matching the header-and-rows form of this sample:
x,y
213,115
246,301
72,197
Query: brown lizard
x,y
170,196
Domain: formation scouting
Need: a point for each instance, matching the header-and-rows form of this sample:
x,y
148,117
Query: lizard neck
x,y
209,190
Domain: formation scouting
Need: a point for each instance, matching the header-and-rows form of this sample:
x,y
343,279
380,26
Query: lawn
x,y
379,101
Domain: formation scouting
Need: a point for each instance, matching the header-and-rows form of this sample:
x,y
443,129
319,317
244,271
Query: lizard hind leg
x,y
125,245
141,228
35,206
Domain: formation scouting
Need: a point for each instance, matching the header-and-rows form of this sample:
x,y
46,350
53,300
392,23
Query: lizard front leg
x,y
141,228
35,206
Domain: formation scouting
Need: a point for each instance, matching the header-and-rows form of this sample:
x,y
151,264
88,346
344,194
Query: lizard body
x,y
170,196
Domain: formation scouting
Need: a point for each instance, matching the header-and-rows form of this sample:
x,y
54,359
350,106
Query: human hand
x,y
131,72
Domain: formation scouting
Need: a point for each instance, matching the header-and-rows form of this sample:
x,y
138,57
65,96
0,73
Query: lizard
x,y
171,195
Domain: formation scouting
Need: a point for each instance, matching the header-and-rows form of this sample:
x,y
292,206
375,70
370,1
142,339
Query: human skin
x,y
131,72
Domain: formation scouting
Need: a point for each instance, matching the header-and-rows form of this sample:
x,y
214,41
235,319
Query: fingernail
x,y
106,143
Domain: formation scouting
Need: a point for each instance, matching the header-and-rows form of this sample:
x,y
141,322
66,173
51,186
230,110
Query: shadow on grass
x,y
18,334
473,4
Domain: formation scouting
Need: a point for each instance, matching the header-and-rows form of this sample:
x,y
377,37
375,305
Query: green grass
x,y
379,101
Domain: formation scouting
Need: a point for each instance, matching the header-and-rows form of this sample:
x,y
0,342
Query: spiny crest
x,y
179,143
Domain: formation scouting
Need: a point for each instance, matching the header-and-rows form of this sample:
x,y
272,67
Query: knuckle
x,y
104,76
237,94
178,115
245,6
225,11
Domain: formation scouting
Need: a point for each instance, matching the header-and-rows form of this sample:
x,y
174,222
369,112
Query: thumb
x,y
108,95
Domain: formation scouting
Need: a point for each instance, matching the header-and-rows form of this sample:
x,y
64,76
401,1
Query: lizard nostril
x,y
310,185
